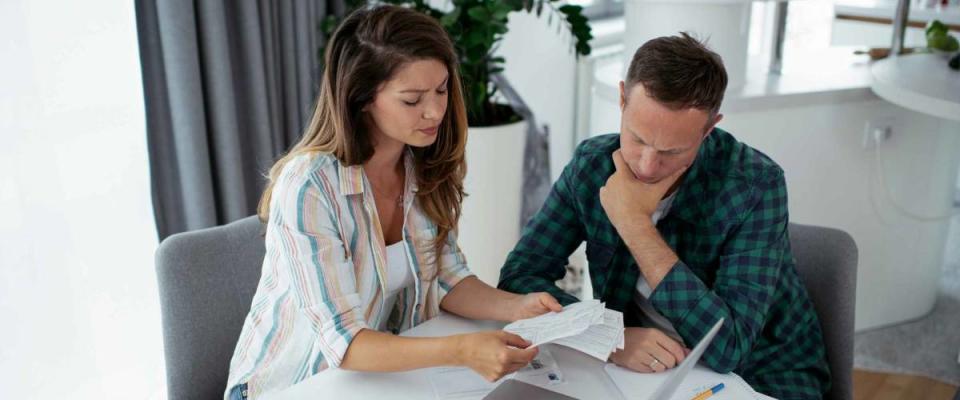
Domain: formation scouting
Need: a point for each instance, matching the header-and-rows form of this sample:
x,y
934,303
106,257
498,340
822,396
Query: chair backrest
x,y
207,279
827,264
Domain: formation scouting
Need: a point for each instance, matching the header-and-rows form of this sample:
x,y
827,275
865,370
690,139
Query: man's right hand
x,y
494,354
649,350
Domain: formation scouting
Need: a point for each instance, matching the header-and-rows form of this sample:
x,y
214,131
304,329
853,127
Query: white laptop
x,y
688,377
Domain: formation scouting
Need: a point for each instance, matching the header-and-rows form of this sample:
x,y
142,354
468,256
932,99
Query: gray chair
x,y
827,263
207,279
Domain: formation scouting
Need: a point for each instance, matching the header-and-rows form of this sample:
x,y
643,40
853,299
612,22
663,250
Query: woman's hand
x,y
493,354
649,350
534,304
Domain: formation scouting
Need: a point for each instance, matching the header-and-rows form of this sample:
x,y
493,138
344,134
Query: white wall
x,y
541,65
77,285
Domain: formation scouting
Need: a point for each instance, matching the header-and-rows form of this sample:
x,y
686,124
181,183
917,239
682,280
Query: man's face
x,y
657,141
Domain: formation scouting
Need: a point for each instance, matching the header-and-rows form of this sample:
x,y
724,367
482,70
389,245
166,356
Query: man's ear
x,y
623,96
713,124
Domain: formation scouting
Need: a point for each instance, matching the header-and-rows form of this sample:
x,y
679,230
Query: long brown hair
x,y
364,52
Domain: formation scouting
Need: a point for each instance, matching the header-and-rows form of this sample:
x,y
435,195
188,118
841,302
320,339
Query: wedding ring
x,y
654,363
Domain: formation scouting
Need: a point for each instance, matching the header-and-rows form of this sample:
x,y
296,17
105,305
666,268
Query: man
x,y
684,225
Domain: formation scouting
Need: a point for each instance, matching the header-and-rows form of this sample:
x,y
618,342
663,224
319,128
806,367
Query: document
x,y
587,326
598,340
462,383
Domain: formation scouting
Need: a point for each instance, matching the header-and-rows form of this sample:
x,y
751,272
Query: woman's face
x,y
409,107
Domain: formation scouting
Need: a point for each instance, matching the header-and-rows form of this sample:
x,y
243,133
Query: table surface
x,y
583,375
919,82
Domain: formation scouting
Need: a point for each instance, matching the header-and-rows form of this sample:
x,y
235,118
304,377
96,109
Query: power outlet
x,y
877,131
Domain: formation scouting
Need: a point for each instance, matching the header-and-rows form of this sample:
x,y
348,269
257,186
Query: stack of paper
x,y
587,326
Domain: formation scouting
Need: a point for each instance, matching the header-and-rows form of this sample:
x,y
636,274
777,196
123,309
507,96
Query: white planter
x,y
490,224
724,23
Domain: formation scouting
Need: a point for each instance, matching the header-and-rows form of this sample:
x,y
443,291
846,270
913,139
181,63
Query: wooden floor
x,y
880,386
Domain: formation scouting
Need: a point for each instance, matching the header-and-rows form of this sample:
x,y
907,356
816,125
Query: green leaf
x,y
501,10
935,27
330,24
479,14
472,38
479,93
476,53
450,19
943,43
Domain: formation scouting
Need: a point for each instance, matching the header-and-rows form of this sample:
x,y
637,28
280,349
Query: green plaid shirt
x,y
728,226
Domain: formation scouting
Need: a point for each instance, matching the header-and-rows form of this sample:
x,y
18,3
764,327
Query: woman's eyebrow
x,y
444,83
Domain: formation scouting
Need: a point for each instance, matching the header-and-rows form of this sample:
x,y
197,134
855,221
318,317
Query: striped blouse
x,y
323,276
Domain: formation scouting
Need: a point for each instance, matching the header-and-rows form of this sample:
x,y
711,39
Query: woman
x,y
361,220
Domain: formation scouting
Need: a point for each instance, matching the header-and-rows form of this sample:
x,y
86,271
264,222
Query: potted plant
x,y
496,134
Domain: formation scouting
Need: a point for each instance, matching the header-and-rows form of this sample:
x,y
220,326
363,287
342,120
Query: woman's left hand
x,y
534,304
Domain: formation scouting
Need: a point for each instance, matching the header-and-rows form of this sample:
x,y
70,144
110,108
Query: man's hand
x,y
629,201
649,350
534,304
630,204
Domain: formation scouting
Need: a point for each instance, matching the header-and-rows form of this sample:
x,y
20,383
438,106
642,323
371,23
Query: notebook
x,y
683,382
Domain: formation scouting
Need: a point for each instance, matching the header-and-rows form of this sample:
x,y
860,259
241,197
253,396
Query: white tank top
x,y
399,276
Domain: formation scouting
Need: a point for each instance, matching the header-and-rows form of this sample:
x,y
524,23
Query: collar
x,y
352,177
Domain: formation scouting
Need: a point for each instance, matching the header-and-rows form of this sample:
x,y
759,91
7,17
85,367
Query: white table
x,y
583,375
919,82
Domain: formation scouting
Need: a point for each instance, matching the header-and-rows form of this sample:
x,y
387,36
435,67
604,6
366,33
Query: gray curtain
x,y
228,86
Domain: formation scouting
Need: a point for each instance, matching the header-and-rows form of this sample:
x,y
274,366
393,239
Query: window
x,y
600,9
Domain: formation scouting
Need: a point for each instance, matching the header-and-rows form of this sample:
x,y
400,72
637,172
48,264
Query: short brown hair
x,y
680,72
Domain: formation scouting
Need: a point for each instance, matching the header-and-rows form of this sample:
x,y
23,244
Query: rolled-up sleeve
x,y
309,250
453,265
